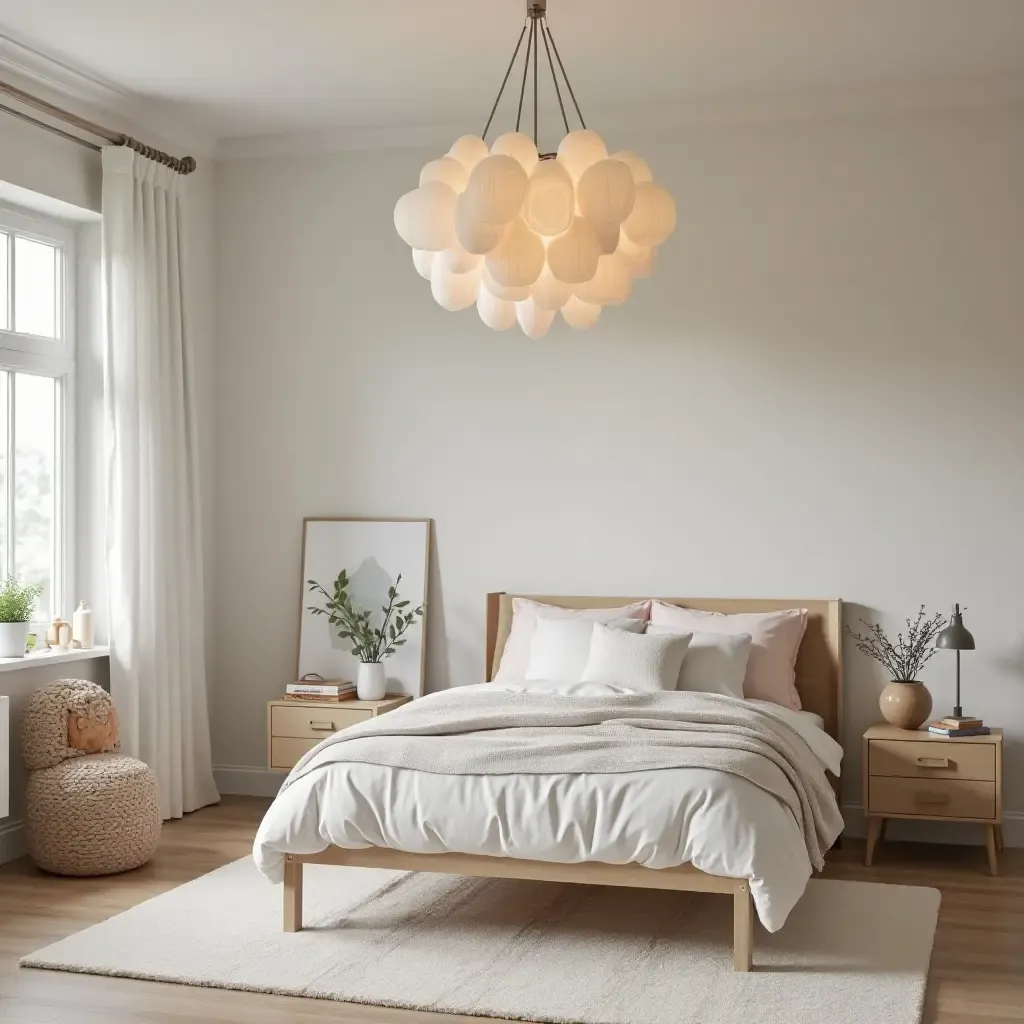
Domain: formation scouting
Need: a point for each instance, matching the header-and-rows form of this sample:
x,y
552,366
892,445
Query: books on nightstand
x,y
329,693
958,726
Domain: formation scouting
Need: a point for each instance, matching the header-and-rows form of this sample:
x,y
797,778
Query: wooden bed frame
x,y
818,680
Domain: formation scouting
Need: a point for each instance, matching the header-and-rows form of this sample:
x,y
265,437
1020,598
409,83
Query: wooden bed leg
x,y
292,894
743,929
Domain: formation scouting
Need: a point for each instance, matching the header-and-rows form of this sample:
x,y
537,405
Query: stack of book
x,y
329,693
954,726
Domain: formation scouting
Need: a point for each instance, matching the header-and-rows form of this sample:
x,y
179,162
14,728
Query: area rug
x,y
538,951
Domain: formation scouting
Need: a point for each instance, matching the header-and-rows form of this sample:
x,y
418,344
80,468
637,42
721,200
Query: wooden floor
x,y
977,974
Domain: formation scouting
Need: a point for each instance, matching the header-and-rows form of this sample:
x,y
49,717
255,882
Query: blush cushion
x,y
775,643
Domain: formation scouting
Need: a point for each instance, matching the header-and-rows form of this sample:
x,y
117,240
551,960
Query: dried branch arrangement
x,y
905,658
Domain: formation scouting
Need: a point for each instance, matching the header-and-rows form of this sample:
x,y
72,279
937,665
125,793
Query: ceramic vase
x,y
82,631
13,639
905,705
371,683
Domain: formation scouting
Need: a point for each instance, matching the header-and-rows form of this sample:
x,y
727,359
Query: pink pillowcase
x,y
771,668
525,613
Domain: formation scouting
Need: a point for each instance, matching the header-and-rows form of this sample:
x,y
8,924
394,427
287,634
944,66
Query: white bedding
x,y
721,823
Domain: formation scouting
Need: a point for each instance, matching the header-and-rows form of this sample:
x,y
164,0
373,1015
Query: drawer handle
x,y
932,799
322,726
933,762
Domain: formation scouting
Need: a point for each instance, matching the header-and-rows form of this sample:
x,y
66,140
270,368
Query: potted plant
x,y
905,702
17,601
370,644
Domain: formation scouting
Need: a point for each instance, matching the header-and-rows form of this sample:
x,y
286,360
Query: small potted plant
x,y
17,601
905,702
370,644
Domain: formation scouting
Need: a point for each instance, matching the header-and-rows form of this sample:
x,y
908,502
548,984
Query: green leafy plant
x,y
18,600
369,643
905,658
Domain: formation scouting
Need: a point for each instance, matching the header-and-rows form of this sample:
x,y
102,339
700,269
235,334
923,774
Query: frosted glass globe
x,y
425,217
422,261
518,146
654,215
501,291
518,259
469,150
573,255
534,320
605,193
453,291
448,171
636,164
610,286
550,293
498,314
458,261
579,314
474,235
550,199
579,149
496,189
639,258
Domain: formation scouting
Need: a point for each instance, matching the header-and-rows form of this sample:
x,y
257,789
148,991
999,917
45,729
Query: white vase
x,y
13,639
371,683
81,631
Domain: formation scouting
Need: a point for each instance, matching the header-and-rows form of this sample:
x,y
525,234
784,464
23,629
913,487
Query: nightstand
x,y
295,727
924,777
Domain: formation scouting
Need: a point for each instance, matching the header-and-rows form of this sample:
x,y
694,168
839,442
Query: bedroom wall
x,y
816,394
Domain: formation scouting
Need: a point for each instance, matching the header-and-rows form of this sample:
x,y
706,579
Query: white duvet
x,y
719,822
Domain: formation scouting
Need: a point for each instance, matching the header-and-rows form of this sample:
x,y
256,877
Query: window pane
x,y
3,281
3,472
35,287
35,401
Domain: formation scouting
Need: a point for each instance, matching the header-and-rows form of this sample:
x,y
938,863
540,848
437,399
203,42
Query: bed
x,y
745,843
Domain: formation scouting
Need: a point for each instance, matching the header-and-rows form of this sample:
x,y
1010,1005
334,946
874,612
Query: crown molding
x,y
100,100
618,123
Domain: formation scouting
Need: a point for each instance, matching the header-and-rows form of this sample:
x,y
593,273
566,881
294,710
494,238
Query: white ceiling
x,y
238,68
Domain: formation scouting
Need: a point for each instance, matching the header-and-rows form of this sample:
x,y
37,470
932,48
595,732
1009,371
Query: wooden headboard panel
x,y
819,665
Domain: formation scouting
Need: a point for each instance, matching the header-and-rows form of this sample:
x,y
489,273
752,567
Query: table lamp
x,y
956,637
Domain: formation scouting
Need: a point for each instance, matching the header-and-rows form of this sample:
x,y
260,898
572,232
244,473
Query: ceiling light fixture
x,y
523,234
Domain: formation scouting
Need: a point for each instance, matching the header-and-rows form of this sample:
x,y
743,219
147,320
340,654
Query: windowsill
x,y
55,658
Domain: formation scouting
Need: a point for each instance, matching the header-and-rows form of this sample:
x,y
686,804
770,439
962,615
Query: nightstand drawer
x,y
313,722
286,752
932,798
924,759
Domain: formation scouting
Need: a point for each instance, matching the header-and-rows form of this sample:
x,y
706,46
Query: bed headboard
x,y
819,665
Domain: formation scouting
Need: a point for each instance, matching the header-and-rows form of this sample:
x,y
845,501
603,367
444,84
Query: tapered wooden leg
x,y
742,929
292,894
874,829
990,844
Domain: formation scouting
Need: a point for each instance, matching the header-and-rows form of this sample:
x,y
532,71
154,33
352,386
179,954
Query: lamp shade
x,y
956,636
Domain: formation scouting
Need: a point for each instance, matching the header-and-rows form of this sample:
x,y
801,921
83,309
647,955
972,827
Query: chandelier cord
x,y
504,81
554,77
535,55
568,84
522,87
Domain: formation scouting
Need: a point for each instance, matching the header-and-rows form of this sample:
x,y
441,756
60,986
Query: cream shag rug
x,y
851,951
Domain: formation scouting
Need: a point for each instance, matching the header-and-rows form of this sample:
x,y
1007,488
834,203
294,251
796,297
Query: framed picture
x,y
373,553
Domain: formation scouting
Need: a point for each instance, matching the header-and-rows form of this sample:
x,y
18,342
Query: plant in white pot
x,y
17,601
370,644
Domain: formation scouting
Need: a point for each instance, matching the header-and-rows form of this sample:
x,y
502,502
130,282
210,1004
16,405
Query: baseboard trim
x,y
937,831
241,780
12,841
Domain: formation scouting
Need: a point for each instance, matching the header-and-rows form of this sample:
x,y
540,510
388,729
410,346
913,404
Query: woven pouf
x,y
92,815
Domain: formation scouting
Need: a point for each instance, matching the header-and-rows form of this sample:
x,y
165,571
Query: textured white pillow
x,y
559,646
714,663
638,661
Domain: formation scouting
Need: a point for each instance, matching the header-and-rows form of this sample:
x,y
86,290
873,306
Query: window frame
x,y
56,359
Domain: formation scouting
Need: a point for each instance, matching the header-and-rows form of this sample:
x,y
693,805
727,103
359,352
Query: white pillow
x,y
559,647
715,662
638,661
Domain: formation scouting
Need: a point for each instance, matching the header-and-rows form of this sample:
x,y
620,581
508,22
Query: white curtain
x,y
153,536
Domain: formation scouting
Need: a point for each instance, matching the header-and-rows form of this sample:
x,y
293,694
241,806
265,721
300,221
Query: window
x,y
36,393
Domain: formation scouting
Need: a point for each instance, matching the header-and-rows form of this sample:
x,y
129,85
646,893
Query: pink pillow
x,y
525,613
771,668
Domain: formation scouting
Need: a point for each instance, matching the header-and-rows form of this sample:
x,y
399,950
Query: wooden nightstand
x,y
917,775
295,727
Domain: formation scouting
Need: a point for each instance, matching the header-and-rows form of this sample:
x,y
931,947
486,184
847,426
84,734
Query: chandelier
x,y
524,235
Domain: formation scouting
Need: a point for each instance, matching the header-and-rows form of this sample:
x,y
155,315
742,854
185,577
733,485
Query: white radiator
x,y
5,756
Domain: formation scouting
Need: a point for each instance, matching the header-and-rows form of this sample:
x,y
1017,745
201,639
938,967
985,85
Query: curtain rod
x,y
184,165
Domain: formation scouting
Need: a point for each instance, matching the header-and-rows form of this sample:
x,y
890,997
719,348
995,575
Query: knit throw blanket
x,y
505,733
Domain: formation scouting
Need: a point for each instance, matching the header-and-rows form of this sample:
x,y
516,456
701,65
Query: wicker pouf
x,y
92,815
